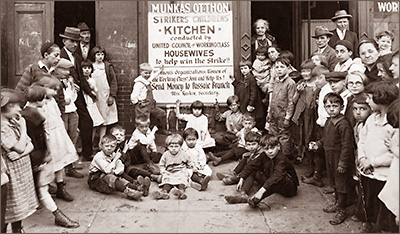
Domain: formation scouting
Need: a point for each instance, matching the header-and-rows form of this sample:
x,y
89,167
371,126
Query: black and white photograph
x,y
200,116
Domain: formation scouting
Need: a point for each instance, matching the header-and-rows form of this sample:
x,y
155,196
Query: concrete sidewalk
x,y
201,212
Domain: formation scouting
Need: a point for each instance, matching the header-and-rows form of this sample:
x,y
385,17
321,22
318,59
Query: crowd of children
x,y
339,113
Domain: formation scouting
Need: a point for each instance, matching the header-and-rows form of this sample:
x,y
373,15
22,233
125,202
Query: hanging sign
x,y
194,42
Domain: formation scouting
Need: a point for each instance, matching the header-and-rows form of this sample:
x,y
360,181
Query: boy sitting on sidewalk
x,y
271,170
106,168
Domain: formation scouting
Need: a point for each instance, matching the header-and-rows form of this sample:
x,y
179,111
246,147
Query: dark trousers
x,y
85,126
3,207
139,160
287,187
376,210
234,153
157,116
319,156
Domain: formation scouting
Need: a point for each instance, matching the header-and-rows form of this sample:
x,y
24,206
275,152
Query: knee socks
x,y
46,199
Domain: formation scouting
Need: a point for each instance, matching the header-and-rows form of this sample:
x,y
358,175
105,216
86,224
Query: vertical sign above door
x,y
194,41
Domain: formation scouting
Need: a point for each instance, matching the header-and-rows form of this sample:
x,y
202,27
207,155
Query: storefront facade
x,y
200,43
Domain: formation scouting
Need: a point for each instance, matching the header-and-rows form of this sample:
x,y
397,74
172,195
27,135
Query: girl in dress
x,y
41,161
106,81
174,165
15,149
198,121
61,149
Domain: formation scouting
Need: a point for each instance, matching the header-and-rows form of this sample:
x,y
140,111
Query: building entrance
x,y
70,14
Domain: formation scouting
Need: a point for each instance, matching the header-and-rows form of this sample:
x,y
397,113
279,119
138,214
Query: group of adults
x,y
366,49
76,48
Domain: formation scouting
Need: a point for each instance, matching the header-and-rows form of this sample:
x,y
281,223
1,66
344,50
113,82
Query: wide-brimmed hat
x,y
71,33
341,14
4,100
83,27
322,30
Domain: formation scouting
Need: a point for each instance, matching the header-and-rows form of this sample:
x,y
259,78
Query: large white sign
x,y
194,41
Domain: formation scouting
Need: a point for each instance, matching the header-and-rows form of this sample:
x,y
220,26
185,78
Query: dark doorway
x,y
70,14
279,15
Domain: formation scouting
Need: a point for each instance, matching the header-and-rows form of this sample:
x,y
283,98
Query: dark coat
x,y
269,40
249,94
35,131
76,72
79,52
275,170
350,36
373,74
330,56
338,144
111,78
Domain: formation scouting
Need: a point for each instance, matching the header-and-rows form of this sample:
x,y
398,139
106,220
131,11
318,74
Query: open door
x,y
29,25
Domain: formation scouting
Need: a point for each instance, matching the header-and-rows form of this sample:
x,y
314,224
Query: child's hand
x,y
300,87
259,193
250,108
312,146
286,123
110,100
154,129
240,184
76,87
365,165
341,170
68,101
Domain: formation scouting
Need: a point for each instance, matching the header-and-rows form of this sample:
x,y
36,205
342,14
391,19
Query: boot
x,y
204,183
62,193
71,172
215,160
253,202
315,180
145,182
339,217
160,195
132,194
62,220
231,180
242,198
178,193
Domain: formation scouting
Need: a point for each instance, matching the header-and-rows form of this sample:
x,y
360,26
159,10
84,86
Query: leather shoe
x,y
62,220
71,172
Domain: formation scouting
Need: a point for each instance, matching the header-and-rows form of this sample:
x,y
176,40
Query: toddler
x,y
338,143
199,121
233,122
174,165
201,171
106,84
385,41
106,168
239,148
261,68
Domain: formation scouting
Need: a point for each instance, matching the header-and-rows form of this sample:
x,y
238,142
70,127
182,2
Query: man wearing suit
x,y
70,39
84,46
322,37
341,19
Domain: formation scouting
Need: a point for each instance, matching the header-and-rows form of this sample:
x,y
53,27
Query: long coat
x,y
249,94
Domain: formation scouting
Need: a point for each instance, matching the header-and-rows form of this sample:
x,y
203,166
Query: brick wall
x,y
116,31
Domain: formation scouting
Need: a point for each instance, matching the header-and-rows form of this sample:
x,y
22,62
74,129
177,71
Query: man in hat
x,y
70,39
322,37
342,19
85,46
